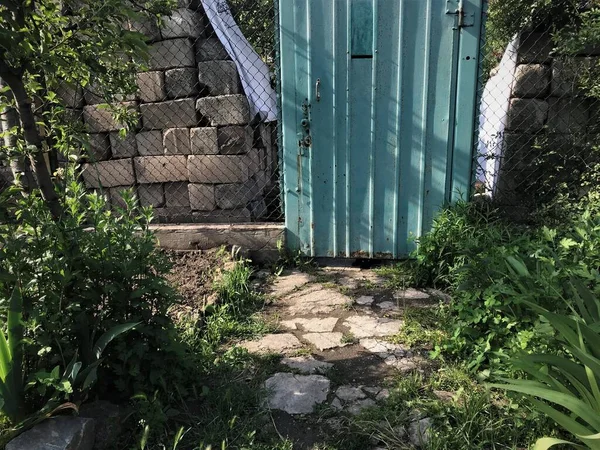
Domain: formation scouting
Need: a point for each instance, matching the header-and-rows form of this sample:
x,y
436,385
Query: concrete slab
x,y
296,394
289,282
315,299
273,343
312,325
367,326
325,341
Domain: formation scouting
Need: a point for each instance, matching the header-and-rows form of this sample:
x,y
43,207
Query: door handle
x,y
318,89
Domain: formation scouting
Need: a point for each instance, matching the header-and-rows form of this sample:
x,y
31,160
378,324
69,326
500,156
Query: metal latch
x,y
464,19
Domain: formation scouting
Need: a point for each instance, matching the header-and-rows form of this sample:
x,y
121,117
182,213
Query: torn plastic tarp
x,y
253,71
495,102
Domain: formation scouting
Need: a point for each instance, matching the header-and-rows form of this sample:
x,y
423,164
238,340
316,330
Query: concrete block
x,y
567,74
218,78
99,147
117,172
151,86
173,215
73,116
519,152
527,115
216,169
202,197
568,115
253,162
211,49
264,138
224,110
176,141
234,195
258,209
91,94
181,82
169,54
149,143
177,195
534,48
204,141
531,80
170,114
234,139
148,26
239,215
151,195
160,169
182,23
70,96
99,118
123,147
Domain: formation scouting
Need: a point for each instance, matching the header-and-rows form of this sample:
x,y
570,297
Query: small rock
x,y
356,407
383,395
296,394
337,404
418,432
325,341
405,365
262,274
277,343
365,300
389,306
371,390
445,396
350,393
307,365
57,433
399,431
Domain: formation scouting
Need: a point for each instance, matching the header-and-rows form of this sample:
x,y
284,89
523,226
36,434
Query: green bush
x,y
466,253
81,276
570,379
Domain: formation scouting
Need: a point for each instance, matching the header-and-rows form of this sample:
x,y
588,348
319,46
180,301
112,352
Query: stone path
x,y
334,339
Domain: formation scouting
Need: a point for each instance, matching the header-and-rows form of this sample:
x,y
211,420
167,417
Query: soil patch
x,y
193,275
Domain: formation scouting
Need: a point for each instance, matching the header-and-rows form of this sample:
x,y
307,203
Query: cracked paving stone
x,y
350,393
383,395
307,365
366,326
313,325
325,341
289,282
296,394
315,299
275,343
371,390
383,349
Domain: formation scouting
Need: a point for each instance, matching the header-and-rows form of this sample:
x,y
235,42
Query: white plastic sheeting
x,y
495,102
253,71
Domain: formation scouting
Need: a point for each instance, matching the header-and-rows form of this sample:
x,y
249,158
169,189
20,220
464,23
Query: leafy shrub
x,y
466,253
570,379
81,276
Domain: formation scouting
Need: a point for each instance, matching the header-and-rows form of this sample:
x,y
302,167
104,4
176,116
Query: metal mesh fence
x,y
538,127
202,144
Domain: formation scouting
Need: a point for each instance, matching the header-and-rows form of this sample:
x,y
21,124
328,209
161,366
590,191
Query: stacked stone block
x,y
193,156
546,110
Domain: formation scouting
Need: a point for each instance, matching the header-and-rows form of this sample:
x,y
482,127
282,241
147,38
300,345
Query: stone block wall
x,y
196,155
550,122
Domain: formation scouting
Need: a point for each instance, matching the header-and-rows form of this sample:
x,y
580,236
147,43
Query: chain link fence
x,y
201,144
538,138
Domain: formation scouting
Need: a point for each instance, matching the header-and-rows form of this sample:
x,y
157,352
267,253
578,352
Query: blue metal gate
x,y
378,102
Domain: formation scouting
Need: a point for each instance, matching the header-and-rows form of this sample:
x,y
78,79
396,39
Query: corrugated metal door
x,y
378,100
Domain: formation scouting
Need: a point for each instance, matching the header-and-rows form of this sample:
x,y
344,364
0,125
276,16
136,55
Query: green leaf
x,y
107,337
547,442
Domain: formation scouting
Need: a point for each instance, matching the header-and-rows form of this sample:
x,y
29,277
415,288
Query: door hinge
x,y
457,8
